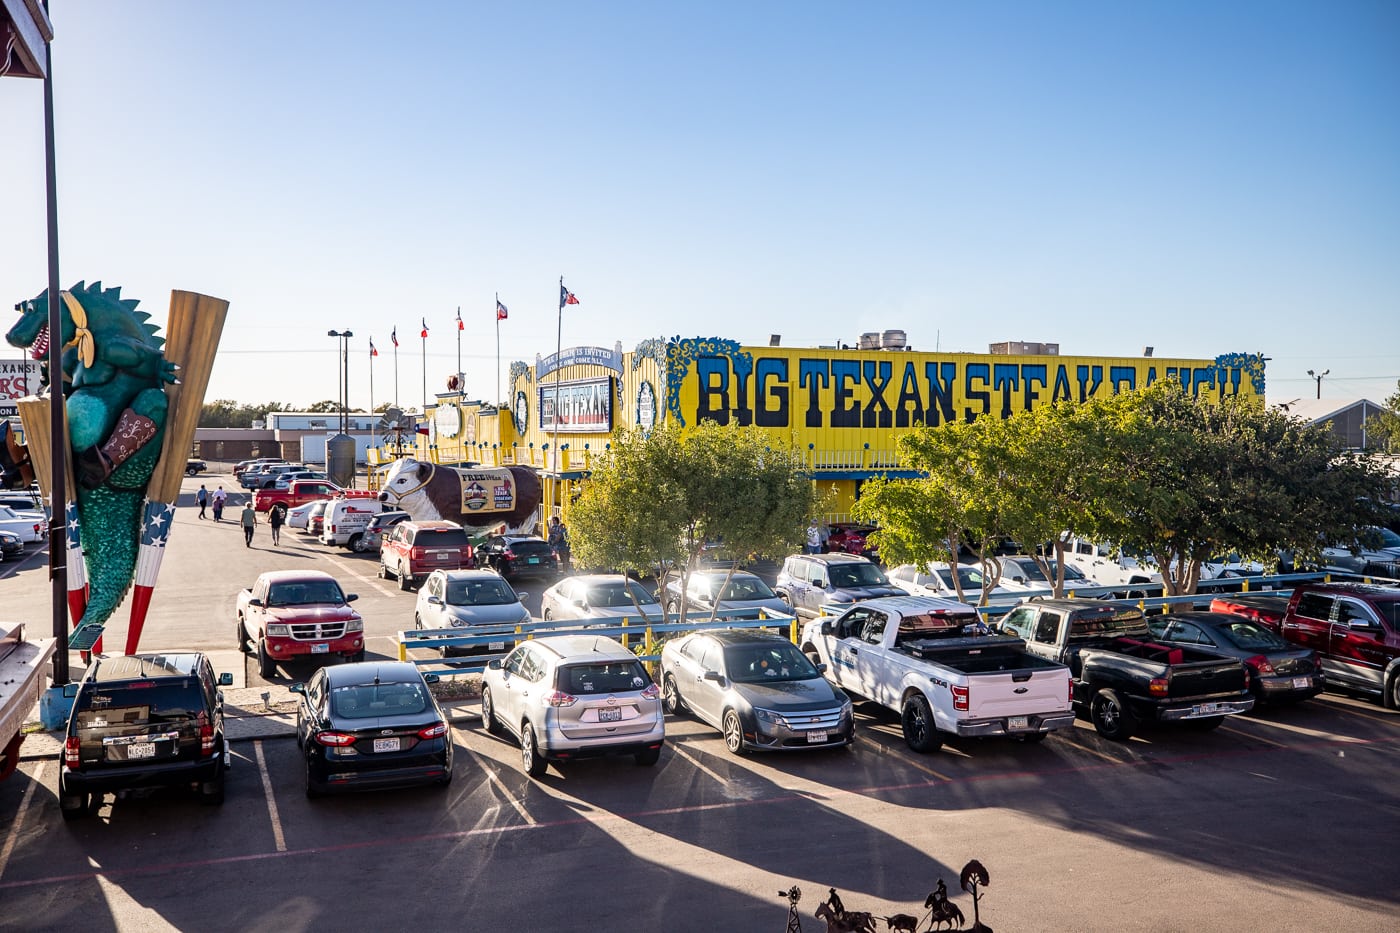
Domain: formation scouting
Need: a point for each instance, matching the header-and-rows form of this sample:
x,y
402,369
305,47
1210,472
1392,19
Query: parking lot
x,y
1281,819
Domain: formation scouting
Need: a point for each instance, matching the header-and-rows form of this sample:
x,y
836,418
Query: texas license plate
x,y
1015,723
1208,708
1301,683
321,648
533,560
610,715
814,737
443,555
141,750
495,646
386,745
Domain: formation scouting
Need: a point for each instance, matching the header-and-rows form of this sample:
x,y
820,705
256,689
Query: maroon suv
x,y
1355,629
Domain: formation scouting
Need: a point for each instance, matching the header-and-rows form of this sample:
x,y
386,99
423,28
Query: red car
x,y
290,614
850,538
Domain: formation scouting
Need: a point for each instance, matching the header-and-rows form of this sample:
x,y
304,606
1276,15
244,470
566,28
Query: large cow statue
x,y
478,498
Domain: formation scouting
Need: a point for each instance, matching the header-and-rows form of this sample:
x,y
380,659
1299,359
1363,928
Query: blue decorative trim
x,y
1251,364
681,354
518,369
652,348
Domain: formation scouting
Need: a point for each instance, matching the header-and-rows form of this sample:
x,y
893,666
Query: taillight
x,y
435,731
559,698
206,740
1260,665
651,692
1071,690
508,554
960,697
334,739
1157,686
416,553
70,751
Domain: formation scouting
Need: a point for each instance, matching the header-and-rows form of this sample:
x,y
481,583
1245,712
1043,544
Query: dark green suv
x,y
145,720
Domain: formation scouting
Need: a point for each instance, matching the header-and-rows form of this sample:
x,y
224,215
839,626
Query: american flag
x,y
77,570
155,529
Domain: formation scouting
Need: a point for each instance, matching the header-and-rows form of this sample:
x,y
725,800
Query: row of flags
x,y
566,297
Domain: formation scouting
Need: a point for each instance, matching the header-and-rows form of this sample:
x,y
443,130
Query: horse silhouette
x,y
943,911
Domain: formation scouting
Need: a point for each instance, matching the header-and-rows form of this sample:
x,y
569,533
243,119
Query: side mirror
x,y
715,676
70,690
522,596
255,602
1018,580
581,604
434,601
494,664
821,668
827,628
298,688
352,597
225,679
431,678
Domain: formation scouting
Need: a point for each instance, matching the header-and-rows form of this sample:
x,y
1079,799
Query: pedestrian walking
x,y
202,497
814,538
274,524
249,518
217,500
559,540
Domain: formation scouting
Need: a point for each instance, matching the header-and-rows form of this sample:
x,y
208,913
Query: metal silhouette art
x,y
793,895
941,910
901,923
973,877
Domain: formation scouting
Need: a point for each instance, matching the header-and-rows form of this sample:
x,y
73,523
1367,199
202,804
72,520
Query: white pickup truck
x,y
931,660
23,677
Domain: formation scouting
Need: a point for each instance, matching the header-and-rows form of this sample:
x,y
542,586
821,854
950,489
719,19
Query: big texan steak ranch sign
x,y
487,490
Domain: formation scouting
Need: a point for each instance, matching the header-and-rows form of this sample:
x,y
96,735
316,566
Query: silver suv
x,y
809,581
573,696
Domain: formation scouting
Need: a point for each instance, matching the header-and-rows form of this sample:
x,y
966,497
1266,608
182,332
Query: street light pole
x,y
343,382
1318,377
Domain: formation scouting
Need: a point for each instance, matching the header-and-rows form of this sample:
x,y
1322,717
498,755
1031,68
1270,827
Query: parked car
x,y
285,480
935,578
1109,565
144,720
851,538
345,521
11,545
745,595
1021,572
518,555
459,599
1278,672
573,696
28,506
599,598
369,725
243,466
290,614
378,527
1380,557
29,526
258,475
757,689
297,517
316,518
415,549
195,467
1355,629
809,581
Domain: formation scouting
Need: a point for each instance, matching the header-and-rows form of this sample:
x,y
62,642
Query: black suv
x,y
516,555
144,720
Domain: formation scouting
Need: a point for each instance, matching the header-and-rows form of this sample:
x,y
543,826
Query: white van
x,y
347,519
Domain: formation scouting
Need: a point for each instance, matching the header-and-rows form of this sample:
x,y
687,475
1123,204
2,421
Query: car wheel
x,y
548,616
211,793
405,581
530,757
357,657
356,543
240,637
313,789
1111,716
383,571
733,732
671,696
1208,724
916,719
1392,693
647,758
266,666
489,722
73,806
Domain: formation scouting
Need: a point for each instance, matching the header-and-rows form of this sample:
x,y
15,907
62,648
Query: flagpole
x,y
394,339
497,311
371,375
424,333
461,377
558,353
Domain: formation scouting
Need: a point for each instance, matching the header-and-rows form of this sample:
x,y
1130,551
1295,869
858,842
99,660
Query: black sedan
x,y
11,545
757,689
371,724
1278,671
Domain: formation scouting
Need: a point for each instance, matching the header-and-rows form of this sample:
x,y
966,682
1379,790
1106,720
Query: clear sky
x,y
1199,177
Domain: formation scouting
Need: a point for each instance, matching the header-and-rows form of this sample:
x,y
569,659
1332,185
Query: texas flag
x,y
566,297
460,325
394,336
424,334
372,350
501,313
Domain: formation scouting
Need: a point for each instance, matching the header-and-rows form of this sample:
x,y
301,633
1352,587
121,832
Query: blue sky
x,y
1200,178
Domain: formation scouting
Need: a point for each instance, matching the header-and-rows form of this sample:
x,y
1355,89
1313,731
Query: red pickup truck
x,y
302,491
290,614
1353,627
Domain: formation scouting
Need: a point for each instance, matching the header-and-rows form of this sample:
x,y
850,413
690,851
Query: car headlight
x,y
460,622
768,716
355,625
846,706
278,630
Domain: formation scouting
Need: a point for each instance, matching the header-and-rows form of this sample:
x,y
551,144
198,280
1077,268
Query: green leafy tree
x,y
657,498
1383,429
226,413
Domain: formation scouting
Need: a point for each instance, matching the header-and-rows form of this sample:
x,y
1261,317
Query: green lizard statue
x,y
113,376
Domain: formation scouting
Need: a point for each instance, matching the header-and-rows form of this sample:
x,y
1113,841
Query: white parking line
x,y
695,762
495,779
277,839
13,836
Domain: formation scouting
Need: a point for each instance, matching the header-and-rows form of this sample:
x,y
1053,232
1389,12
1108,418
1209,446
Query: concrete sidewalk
x,y
249,713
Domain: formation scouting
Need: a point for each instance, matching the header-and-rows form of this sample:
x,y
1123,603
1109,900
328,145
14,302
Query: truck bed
x,y
980,654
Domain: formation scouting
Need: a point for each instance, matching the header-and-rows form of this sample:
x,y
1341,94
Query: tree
x,y
328,405
226,413
656,498
1383,429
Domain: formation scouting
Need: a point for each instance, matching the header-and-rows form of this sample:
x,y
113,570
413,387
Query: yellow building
x,y
843,408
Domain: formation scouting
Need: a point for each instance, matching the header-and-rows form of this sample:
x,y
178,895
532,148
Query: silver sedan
x,y
461,599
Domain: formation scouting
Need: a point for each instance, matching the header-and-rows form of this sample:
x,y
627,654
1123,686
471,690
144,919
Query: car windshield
x,y
768,663
314,593
1388,537
479,593
1027,569
857,574
1245,634
1390,611
971,579
616,595
368,701
603,677
742,588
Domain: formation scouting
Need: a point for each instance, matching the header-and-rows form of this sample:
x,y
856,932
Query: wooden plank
x,y
192,333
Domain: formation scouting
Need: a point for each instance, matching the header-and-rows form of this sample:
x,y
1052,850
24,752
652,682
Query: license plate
x,y
815,737
609,715
1208,708
495,646
321,648
443,555
141,750
1301,683
1017,722
533,560
386,745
